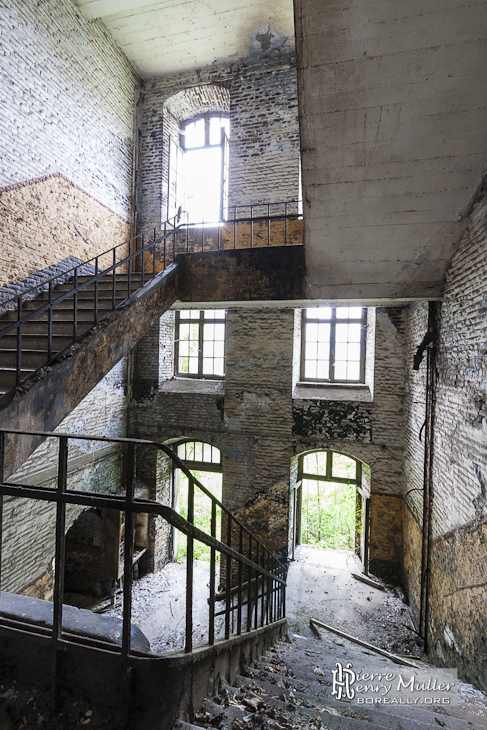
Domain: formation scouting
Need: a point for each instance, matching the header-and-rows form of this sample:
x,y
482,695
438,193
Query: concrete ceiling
x,y
394,139
159,36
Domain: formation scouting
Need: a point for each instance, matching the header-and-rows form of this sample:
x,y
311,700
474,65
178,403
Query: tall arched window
x,y
204,462
327,500
198,169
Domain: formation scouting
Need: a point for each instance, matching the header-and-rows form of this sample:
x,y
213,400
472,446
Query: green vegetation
x,y
202,511
328,514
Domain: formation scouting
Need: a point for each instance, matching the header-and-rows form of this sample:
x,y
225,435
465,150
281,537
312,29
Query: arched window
x,y
198,169
327,500
204,462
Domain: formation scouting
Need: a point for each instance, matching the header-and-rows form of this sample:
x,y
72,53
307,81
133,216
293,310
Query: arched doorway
x,y
204,462
330,504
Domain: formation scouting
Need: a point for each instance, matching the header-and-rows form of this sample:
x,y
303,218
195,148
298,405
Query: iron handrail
x,y
261,565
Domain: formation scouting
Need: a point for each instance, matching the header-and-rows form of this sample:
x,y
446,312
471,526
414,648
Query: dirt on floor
x,y
321,586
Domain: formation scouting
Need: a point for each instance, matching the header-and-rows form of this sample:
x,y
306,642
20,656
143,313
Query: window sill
x,y
193,385
333,391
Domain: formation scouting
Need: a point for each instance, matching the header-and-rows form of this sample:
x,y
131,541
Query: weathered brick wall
x,y
259,427
69,97
264,134
457,620
48,221
28,542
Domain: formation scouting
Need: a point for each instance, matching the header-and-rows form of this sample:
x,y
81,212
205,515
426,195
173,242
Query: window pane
x,y
219,332
311,332
344,466
208,331
208,349
349,312
322,370
219,367
340,370
193,365
215,455
318,312
216,124
194,134
353,371
198,451
354,352
341,351
315,463
310,367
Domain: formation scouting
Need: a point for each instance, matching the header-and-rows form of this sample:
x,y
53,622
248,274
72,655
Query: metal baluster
x,y
257,575
265,590
49,323
3,437
268,224
251,226
96,289
75,304
240,578
128,549
114,286
143,260
59,563
211,625
228,598
129,272
235,233
19,340
249,587
189,572
154,255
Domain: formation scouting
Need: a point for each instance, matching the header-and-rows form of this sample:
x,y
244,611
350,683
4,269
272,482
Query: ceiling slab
x,y
393,116
178,35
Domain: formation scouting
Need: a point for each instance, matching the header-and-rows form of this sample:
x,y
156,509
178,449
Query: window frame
x,y
192,464
328,476
207,116
200,321
305,319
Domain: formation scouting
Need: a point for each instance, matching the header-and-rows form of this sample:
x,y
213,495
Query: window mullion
x,y
200,343
332,344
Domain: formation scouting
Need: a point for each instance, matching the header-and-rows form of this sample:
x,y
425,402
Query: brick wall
x,y
28,546
51,221
260,429
457,620
264,136
69,97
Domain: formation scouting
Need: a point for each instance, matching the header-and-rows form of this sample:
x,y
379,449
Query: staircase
x,y
290,689
50,330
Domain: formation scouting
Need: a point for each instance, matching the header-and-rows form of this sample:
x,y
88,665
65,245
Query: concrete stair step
x,y
181,725
30,358
35,341
376,715
8,377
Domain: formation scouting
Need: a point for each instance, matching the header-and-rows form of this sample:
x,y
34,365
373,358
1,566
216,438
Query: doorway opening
x,y
204,462
330,503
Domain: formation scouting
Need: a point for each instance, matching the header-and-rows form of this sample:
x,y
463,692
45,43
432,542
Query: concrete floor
x,y
321,586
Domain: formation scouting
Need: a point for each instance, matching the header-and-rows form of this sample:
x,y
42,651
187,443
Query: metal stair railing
x,y
252,573
140,258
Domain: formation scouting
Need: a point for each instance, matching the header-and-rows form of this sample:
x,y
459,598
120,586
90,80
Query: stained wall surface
x,y
66,142
457,581
260,427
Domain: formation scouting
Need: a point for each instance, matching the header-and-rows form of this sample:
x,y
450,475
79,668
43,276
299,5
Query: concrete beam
x,y
42,403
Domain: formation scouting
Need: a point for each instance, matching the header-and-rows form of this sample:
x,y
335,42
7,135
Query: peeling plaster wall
x,y
457,620
264,136
261,429
29,535
69,97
